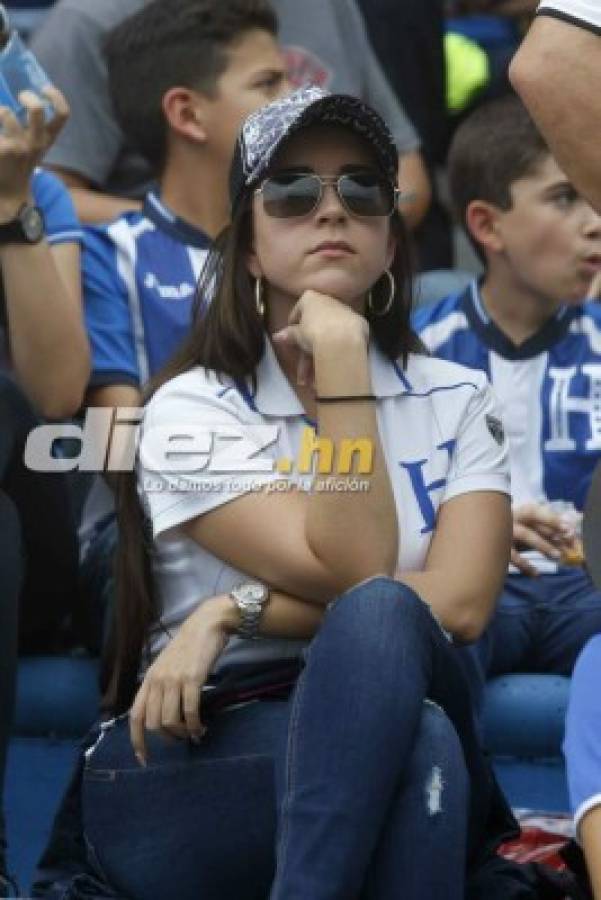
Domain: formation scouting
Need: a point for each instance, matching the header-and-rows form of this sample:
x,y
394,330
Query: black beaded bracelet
x,y
350,398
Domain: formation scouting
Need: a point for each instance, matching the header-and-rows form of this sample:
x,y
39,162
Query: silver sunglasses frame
x,y
334,181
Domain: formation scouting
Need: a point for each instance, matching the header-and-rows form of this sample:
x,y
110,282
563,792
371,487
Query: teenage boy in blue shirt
x,y
525,324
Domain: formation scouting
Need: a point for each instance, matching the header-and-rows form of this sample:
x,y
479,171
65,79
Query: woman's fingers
x,y
292,336
171,712
304,370
191,709
137,721
154,706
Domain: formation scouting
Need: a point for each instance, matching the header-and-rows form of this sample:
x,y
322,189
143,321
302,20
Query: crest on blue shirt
x,y
495,426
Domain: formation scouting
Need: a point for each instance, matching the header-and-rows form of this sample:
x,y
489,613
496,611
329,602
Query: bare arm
x,y
91,205
556,72
415,183
48,343
111,397
590,834
467,562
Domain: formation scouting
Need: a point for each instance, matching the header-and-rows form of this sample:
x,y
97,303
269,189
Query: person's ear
x,y
483,221
184,111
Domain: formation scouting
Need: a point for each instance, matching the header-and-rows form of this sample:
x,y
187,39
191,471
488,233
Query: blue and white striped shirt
x,y
139,282
549,389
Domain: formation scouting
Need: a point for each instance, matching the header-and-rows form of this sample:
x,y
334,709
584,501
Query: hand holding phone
x,y
23,146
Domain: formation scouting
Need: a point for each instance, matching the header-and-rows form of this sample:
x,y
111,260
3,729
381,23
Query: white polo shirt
x,y
440,432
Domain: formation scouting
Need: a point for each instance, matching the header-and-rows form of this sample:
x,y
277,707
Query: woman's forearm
x,y
283,616
354,532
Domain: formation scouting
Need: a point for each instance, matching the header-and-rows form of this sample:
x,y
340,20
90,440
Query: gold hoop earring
x,y
385,309
259,301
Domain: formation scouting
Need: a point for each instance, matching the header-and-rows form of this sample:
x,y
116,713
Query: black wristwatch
x,y
26,228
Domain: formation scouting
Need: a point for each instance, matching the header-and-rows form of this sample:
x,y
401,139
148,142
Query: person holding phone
x,y
44,367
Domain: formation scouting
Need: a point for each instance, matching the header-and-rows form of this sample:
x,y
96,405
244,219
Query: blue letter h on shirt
x,y
422,490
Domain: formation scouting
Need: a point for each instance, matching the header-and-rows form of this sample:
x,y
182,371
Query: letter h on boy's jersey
x,y
422,490
562,407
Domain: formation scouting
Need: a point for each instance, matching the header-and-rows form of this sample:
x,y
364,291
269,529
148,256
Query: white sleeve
x,y
197,451
480,459
586,13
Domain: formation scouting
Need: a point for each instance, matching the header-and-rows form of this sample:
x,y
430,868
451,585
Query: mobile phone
x,y
19,71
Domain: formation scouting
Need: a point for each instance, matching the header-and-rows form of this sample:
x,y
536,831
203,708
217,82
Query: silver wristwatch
x,y
250,598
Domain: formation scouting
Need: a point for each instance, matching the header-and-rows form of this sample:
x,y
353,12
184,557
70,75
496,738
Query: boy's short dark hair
x,y
173,43
492,149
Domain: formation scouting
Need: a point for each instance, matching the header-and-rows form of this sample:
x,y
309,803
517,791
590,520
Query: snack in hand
x,y
573,554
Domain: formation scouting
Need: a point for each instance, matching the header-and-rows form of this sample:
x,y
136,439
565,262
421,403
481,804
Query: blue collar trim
x,y
155,210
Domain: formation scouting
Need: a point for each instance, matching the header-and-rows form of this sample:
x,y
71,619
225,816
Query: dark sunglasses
x,y
292,194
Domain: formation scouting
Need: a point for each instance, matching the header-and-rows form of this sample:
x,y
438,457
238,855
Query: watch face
x,y
32,223
251,593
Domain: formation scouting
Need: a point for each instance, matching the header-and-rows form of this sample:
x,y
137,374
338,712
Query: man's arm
x,y
557,72
416,190
48,345
113,396
92,206
590,834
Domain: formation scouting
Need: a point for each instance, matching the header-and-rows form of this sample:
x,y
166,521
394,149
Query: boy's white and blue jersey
x,y
549,389
139,282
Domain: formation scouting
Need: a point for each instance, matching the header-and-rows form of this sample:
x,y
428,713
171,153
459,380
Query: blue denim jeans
x,y
540,625
354,787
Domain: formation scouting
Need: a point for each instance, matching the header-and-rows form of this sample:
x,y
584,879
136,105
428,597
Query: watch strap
x,y
250,609
13,231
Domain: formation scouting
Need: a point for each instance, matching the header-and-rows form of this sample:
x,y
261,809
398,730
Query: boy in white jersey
x,y
526,326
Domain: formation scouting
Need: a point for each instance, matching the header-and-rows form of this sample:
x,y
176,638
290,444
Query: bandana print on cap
x,y
263,130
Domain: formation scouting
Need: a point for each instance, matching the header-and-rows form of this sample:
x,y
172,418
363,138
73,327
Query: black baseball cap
x,y
265,131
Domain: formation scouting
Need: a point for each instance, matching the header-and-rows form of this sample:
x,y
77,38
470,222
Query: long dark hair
x,y
227,336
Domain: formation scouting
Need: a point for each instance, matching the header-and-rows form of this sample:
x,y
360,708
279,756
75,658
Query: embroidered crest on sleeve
x,y
495,427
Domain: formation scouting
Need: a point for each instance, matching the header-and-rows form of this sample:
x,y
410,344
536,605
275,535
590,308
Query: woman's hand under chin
x,y
317,319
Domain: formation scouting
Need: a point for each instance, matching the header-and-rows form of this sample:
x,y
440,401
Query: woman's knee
x,y
380,604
